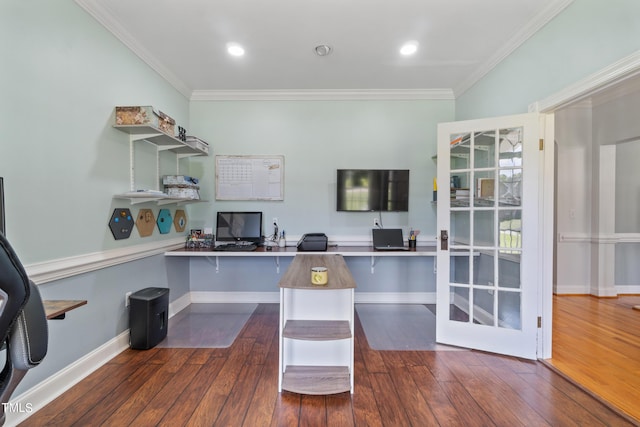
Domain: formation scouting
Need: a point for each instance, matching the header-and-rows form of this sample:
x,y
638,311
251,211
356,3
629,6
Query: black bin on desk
x,y
148,317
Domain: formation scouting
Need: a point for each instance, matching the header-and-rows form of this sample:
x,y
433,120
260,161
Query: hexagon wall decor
x,y
164,221
121,223
180,220
146,222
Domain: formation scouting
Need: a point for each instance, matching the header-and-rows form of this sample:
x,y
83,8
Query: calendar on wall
x,y
249,177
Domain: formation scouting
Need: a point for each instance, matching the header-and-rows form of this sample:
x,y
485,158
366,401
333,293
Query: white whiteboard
x,y
249,177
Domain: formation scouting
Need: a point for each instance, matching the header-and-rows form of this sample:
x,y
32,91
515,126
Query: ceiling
x,y
459,41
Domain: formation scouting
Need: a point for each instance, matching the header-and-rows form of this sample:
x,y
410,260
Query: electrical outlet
x,y
376,222
126,299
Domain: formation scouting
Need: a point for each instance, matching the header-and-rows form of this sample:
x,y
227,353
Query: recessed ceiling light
x,y
409,48
322,50
235,49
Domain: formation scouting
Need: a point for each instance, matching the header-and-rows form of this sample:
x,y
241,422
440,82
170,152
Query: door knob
x,y
444,240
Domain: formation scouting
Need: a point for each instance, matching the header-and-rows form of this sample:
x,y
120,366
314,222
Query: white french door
x,y
488,210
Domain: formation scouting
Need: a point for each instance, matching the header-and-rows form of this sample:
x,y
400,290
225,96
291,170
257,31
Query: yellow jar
x,y
319,276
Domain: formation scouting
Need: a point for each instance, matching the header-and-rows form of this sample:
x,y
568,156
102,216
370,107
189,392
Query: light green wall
x,y
583,39
316,138
61,76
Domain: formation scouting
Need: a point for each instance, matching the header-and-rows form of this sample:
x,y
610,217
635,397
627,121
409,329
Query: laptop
x,y
388,239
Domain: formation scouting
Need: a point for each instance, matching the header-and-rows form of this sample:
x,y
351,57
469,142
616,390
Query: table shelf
x,y
57,309
317,330
317,380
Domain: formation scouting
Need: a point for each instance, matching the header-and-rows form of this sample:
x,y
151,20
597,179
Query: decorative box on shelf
x,y
145,115
183,193
181,186
177,180
197,143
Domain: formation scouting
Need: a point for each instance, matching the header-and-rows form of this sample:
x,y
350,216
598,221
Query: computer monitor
x,y
239,227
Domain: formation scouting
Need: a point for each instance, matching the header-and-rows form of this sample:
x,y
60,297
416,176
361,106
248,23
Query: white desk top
x,y
347,251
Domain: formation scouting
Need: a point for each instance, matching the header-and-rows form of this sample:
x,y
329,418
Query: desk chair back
x,y
23,323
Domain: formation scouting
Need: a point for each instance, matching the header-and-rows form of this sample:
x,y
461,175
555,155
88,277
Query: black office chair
x,y
23,323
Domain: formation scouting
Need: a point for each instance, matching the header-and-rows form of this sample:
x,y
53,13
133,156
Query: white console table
x,y
316,327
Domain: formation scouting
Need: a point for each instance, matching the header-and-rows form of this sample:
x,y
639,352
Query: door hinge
x,y
539,322
541,144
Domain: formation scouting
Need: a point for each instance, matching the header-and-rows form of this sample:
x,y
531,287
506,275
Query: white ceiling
x,y
459,41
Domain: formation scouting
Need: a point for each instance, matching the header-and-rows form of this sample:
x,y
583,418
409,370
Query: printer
x,y
313,242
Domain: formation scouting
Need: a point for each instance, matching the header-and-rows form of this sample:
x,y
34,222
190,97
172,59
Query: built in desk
x,y
291,251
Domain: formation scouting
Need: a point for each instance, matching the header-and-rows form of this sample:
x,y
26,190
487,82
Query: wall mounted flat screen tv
x,y
239,227
366,190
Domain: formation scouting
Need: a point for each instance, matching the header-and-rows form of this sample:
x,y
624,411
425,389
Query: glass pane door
x,y
488,304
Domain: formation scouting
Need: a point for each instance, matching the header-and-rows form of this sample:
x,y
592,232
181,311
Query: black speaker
x,y
148,317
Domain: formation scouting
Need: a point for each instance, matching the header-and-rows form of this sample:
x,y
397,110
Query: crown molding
x,y
617,72
516,41
614,91
104,17
322,95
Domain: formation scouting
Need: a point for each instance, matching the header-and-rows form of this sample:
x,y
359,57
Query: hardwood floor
x,y
596,342
237,386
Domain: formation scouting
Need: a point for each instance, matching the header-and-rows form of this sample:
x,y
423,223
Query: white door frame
x,y
617,72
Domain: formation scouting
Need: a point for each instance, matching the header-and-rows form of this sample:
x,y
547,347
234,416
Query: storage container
x,y
183,193
179,180
197,143
145,115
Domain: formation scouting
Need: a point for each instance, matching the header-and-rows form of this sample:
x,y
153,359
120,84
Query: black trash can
x,y
148,317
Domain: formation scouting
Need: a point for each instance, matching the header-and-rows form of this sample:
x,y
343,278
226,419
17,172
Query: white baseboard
x,y
395,297
608,292
46,391
628,289
274,297
572,290
585,290
235,297
179,304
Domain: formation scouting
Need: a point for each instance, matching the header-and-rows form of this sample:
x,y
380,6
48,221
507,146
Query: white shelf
x,y
179,201
162,142
160,139
316,380
161,199
317,330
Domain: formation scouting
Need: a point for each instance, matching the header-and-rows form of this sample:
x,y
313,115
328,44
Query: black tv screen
x,y
239,227
366,190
